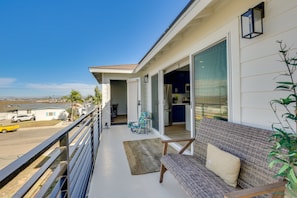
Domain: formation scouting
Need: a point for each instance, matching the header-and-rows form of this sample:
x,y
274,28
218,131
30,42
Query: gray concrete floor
x,y
112,177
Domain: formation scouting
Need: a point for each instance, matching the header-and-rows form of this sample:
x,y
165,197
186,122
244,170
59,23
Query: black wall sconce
x,y
146,78
252,22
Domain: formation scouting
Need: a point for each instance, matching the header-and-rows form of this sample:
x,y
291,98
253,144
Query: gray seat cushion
x,y
194,177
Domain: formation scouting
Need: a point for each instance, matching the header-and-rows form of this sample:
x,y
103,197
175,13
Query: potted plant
x,y
284,149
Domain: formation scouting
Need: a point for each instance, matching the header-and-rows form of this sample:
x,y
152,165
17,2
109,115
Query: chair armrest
x,y
165,142
259,190
178,140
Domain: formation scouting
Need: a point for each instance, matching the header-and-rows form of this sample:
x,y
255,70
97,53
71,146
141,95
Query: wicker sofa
x,y
249,144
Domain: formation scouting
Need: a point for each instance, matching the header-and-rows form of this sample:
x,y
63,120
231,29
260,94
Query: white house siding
x,y
3,116
6,115
221,23
105,88
252,62
259,61
45,114
49,114
144,93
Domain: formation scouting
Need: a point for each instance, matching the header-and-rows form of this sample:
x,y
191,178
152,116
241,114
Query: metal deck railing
x,y
61,166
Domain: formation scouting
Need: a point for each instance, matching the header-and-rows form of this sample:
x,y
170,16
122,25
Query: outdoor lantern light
x,y
146,78
252,22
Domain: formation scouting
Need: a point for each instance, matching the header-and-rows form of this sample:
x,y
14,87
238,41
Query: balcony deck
x,y
112,177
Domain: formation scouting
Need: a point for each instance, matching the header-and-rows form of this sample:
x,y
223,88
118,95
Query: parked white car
x,y
21,118
83,111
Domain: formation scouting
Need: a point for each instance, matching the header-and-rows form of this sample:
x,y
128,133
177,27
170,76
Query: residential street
x,y
15,144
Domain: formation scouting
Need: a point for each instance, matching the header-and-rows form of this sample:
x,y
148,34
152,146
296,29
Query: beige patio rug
x,y
144,155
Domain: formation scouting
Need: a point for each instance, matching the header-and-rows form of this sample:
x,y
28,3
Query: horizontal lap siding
x,y
260,62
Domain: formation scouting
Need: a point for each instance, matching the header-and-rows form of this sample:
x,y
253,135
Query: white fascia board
x,y
112,71
181,23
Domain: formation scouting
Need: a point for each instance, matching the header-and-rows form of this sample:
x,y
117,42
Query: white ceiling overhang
x,y
111,71
98,71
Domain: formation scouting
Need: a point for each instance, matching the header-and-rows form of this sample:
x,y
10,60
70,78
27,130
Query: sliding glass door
x,y
210,88
155,103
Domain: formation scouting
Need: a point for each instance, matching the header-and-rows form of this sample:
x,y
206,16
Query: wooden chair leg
x,y
163,169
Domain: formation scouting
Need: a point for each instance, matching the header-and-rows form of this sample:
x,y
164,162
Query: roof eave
x,y
112,71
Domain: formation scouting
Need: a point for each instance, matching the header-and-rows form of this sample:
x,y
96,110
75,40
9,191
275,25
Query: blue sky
x,y
47,46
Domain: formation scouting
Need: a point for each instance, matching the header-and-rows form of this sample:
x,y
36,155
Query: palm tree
x,y
74,97
98,96
89,98
96,99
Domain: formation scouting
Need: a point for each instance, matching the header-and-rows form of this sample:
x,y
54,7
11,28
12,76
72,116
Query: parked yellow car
x,y
8,128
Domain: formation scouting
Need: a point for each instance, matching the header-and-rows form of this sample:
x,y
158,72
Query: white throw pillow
x,y
223,164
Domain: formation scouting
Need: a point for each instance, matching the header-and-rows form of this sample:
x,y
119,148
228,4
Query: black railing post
x,y
71,167
92,139
64,181
99,121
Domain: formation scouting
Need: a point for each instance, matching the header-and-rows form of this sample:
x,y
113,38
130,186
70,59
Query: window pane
x,y
211,83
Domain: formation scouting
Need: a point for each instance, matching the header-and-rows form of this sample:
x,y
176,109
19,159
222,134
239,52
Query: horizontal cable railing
x,y
61,166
